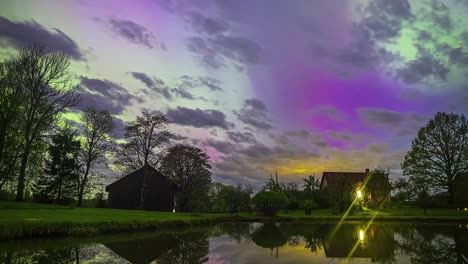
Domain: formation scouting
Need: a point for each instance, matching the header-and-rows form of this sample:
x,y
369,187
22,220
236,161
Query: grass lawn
x,y
19,220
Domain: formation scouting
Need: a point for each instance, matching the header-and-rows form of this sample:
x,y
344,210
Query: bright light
x,y
359,193
173,210
361,234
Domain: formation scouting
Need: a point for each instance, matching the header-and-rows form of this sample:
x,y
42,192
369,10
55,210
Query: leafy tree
x,y
378,186
273,184
343,194
311,183
62,167
144,137
44,80
308,206
439,153
188,168
97,125
269,203
235,199
11,102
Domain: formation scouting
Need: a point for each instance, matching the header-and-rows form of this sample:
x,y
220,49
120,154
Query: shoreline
x,y
32,229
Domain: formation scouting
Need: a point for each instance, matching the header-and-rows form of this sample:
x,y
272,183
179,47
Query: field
x,y
18,220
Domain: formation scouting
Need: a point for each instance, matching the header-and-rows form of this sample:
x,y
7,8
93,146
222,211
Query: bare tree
x,y
144,136
44,78
439,153
97,127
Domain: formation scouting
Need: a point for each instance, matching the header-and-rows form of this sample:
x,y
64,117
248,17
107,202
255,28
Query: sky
x,y
297,86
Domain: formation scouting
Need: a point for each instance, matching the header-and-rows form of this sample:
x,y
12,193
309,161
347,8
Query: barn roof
x,y
138,172
332,176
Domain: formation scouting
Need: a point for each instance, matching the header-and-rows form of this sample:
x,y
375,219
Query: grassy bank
x,y
21,220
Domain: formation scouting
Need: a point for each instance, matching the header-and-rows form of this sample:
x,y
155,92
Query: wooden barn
x,y
145,188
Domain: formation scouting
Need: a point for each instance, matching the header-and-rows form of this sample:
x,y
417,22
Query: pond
x,y
286,242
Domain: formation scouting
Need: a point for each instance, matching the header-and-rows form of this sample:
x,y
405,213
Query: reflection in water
x,y
246,243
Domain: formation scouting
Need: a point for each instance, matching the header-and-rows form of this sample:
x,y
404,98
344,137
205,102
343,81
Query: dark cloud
x,y
241,137
105,95
191,82
258,150
225,147
438,6
216,51
339,136
22,34
254,113
426,65
133,32
144,79
153,84
206,25
198,118
396,8
183,93
376,116
213,84
459,56
443,21
464,37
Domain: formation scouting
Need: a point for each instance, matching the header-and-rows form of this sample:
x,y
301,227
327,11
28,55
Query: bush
x,y
269,203
308,206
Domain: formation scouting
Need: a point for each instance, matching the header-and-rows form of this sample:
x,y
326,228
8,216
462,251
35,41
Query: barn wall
x,y
125,193
159,196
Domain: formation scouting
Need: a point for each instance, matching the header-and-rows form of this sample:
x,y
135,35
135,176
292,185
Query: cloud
x,y
241,137
134,33
328,111
215,52
105,95
424,66
198,118
22,34
224,147
254,113
376,116
206,25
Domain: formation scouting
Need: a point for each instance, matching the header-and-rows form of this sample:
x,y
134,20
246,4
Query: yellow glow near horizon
x,y
359,194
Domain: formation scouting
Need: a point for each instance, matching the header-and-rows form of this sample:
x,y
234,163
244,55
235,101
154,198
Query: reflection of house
x,y
351,240
143,250
145,188
460,184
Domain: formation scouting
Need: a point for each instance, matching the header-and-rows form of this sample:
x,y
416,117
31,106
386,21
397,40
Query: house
x,y
145,188
378,187
330,179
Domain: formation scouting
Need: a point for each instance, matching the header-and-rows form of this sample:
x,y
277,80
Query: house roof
x,y
332,176
137,172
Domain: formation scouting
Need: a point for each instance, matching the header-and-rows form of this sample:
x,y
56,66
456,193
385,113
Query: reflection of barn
x,y
352,240
145,188
145,250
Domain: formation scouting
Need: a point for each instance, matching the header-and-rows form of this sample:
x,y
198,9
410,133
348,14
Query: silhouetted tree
x,y
343,194
145,137
439,153
188,168
97,142
43,78
62,167
378,185
311,183
11,110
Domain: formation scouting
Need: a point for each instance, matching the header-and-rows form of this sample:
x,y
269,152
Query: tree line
x,y
60,161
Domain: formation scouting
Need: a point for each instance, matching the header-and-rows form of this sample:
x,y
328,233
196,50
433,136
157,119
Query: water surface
x,y
257,243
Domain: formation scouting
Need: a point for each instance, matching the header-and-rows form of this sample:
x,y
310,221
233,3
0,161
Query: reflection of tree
x,y
311,233
269,236
193,247
237,231
438,244
60,255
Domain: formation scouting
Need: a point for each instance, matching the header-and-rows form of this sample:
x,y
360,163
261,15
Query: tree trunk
x,y
82,184
451,191
22,174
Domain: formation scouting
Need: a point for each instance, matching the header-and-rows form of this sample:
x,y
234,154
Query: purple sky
x,y
263,85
